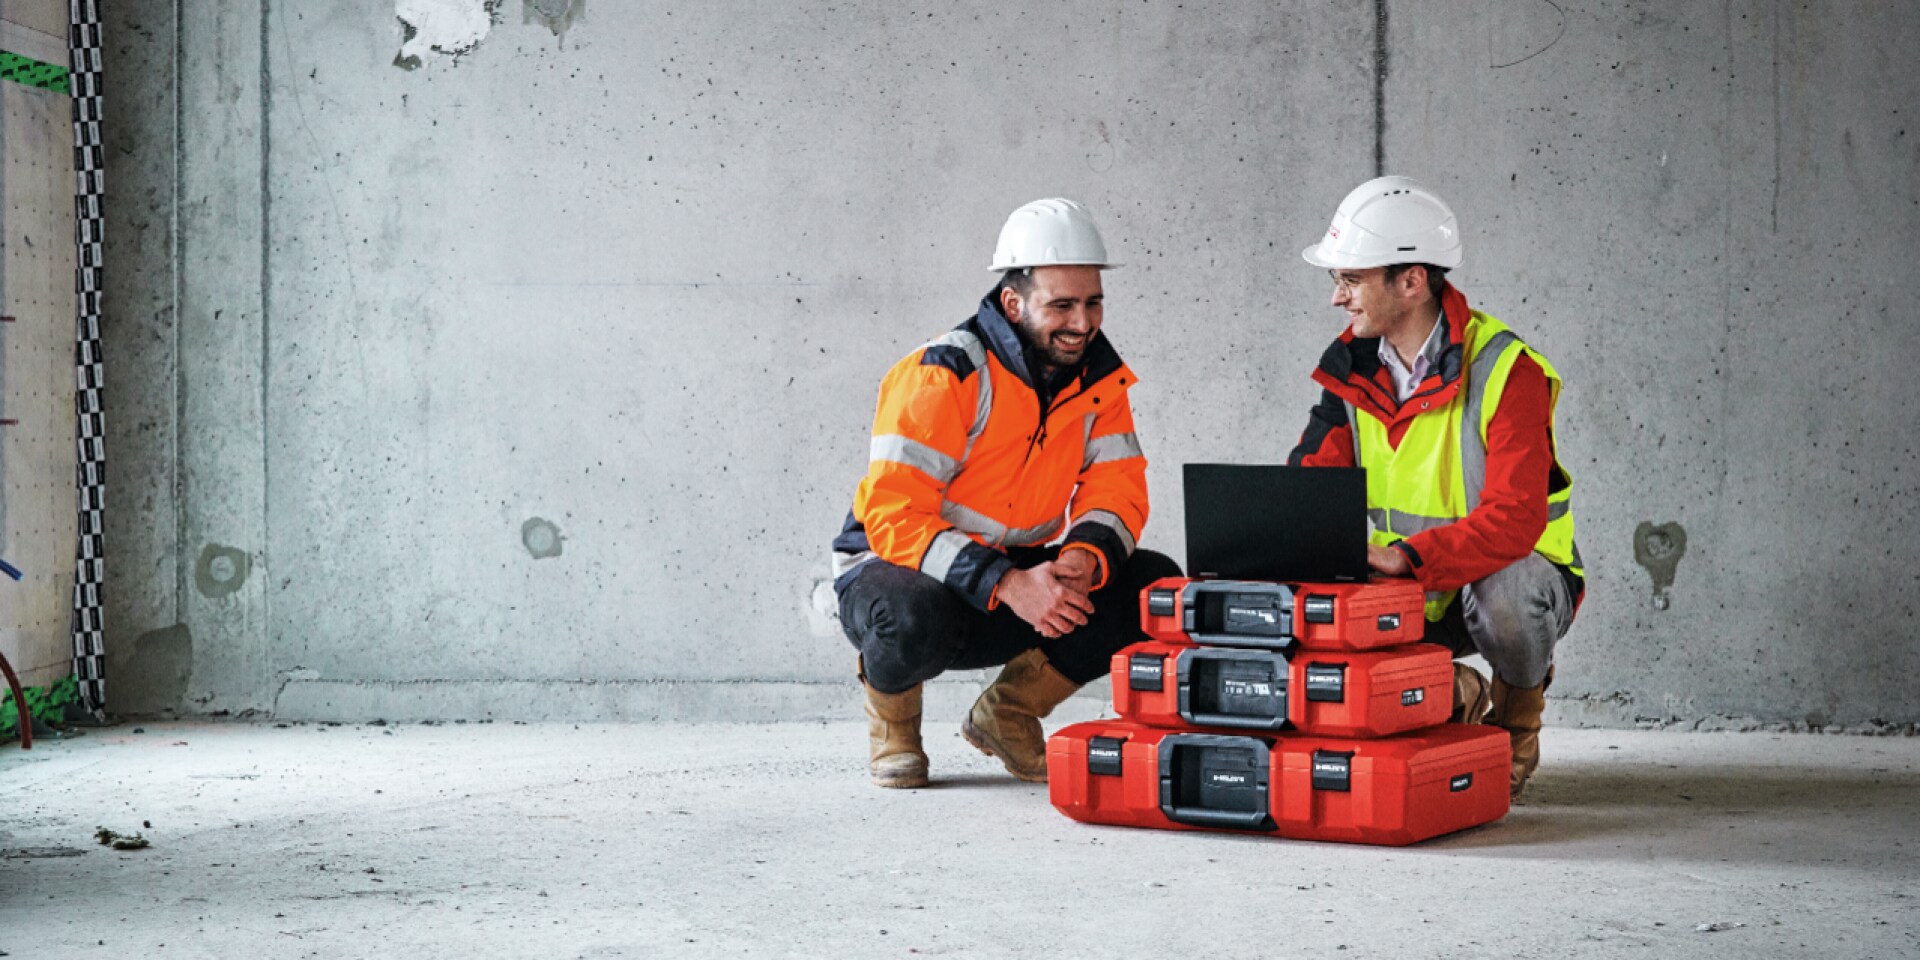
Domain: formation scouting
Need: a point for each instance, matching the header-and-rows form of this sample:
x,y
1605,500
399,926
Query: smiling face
x,y
1378,305
1059,314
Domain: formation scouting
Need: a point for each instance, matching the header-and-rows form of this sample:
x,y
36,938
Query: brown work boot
x,y
894,755
1470,699
1005,721
1518,710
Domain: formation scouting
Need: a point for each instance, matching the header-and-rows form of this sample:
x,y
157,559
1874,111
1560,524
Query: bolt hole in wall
x,y
221,570
1658,548
541,538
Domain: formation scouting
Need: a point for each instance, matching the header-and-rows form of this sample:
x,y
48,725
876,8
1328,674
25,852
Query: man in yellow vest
x,y
1451,414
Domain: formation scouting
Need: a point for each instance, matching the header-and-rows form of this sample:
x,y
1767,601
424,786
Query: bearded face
x,y
1059,314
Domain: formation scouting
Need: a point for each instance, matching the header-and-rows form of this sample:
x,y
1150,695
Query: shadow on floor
x,y
1764,814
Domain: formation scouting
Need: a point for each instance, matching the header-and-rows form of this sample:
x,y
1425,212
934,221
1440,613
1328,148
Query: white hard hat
x,y
1386,221
1050,233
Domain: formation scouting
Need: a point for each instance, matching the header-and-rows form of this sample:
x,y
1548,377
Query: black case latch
x,y
1326,683
1104,757
1319,608
1162,602
1333,770
1147,671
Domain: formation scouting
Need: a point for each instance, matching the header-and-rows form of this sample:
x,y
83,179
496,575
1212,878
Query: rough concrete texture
x,y
1701,211
640,285
505,840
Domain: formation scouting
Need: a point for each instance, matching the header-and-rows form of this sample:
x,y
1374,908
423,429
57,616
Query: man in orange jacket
x,y
988,443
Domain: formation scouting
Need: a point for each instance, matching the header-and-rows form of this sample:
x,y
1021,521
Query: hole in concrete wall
x,y
221,570
541,538
1658,548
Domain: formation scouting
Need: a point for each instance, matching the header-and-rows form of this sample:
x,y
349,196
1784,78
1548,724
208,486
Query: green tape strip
x,y
49,703
32,73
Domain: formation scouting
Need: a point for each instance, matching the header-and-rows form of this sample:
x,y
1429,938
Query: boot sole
x,y
981,742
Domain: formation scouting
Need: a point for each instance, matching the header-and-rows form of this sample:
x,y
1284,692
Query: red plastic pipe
x,y
19,704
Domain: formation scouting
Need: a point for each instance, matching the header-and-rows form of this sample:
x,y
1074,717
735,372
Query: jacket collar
x,y
993,327
1351,366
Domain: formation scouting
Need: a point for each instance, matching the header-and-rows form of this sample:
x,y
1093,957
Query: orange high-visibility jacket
x,y
964,464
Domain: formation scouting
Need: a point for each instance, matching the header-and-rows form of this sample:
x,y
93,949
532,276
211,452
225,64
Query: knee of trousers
x,y
1514,620
1085,654
907,633
1146,566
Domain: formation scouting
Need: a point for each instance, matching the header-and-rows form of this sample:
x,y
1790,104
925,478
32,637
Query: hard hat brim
x,y
1312,255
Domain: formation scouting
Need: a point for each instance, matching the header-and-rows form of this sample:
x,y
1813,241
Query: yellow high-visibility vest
x,y
1435,476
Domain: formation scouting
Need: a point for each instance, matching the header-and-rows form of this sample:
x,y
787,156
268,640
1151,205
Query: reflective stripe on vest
x,y
941,554
965,519
993,531
1111,521
1468,414
976,353
895,448
1113,446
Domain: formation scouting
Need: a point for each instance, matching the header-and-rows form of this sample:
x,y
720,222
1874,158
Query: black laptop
x,y
1257,522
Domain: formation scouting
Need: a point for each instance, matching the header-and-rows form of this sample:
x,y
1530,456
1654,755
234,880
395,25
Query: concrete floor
x,y
556,841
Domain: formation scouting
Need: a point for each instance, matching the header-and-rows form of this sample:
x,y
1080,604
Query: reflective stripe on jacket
x,y
1460,503
963,465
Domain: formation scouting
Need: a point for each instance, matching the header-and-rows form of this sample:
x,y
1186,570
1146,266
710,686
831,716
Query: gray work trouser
x,y
1513,617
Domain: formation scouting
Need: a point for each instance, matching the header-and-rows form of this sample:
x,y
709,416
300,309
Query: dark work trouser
x,y
1513,617
910,628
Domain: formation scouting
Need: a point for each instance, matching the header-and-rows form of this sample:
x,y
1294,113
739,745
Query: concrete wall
x,y
38,518
533,381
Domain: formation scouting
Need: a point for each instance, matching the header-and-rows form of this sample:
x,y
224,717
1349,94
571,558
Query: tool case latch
x,y
1147,671
1163,602
1319,608
1326,683
1333,770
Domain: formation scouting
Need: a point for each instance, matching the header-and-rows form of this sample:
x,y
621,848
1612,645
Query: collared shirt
x,y
1405,380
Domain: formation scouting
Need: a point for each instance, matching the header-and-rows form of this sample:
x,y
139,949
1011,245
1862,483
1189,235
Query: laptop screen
x,y
1258,522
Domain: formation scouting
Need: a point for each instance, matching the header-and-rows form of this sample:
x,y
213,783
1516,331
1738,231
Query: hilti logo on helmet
x,y
1334,231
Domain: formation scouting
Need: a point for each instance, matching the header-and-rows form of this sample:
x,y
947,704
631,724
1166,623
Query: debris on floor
x,y
1717,927
120,841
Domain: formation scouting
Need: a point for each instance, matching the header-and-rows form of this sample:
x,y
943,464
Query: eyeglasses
x,y
1350,282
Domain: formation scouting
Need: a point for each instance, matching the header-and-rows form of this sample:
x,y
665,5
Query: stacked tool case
x,y
1308,711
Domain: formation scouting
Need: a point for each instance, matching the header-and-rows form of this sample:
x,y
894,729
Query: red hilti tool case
x,y
1169,685
1372,693
1116,772
1279,616
1393,791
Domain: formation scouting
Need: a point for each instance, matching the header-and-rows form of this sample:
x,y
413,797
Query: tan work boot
x,y
1518,710
1470,698
1005,721
895,758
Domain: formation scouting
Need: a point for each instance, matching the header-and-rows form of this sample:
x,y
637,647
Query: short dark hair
x,y
1436,276
1020,281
